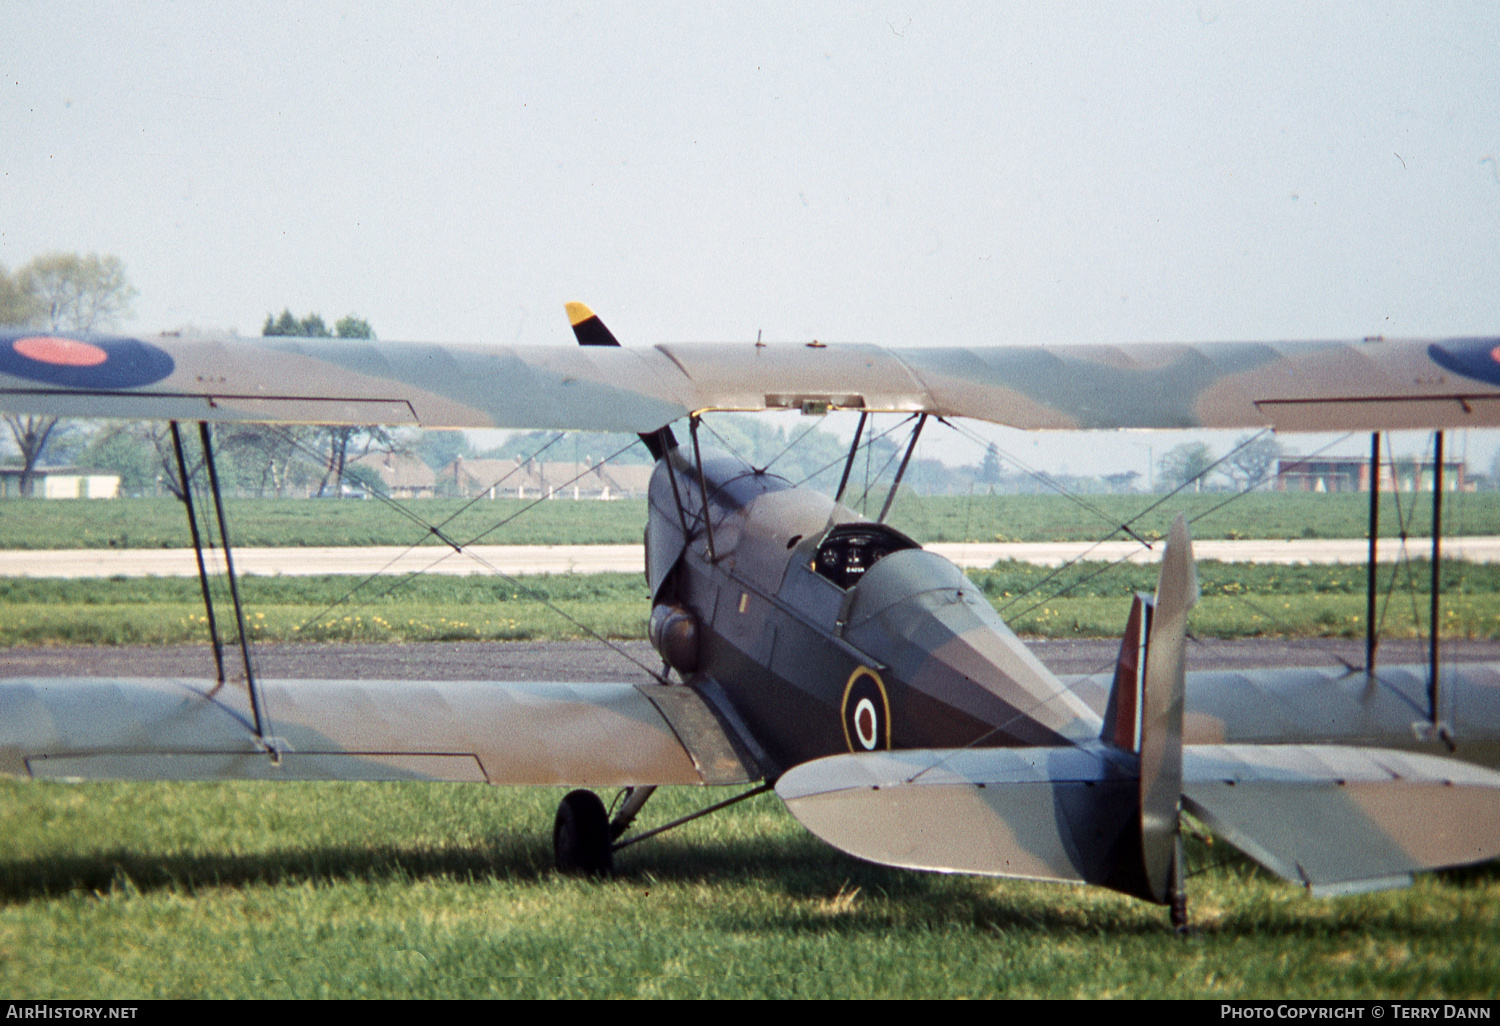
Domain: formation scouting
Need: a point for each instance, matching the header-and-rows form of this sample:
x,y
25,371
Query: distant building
x,y
403,475
1341,474
533,479
61,483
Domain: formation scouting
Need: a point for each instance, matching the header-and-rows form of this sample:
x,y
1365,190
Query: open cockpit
x,y
849,550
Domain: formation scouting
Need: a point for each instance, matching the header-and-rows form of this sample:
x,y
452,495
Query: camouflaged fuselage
x,y
823,633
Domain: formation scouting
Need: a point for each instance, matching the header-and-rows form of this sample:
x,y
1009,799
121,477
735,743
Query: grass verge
x,y
1089,600
445,891
160,523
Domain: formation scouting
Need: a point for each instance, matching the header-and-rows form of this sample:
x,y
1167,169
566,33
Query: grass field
x,y
1239,600
158,523
436,891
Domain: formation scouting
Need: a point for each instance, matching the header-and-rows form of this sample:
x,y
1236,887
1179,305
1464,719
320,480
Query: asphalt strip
x,y
592,559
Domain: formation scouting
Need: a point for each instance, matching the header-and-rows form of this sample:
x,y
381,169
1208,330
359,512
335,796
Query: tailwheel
x,y
581,837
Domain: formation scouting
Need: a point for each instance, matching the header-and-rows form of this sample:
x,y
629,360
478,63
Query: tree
x,y
64,292
17,306
1186,464
1251,462
437,449
311,326
130,451
77,293
353,327
989,470
286,324
336,442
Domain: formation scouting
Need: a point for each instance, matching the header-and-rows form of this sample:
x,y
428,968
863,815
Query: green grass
x,y
1249,599
159,611
159,523
1211,516
438,891
1087,600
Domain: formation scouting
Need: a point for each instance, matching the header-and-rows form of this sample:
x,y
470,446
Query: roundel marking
x,y
95,361
866,712
1475,358
62,352
865,721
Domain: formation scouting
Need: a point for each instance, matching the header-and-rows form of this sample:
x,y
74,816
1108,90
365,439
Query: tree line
x,y
59,292
80,293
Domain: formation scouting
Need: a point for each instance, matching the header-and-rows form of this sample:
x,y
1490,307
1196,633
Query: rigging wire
x,y
1067,564
463,548
869,484
864,445
1071,689
795,442
453,547
1048,481
1199,516
429,529
1404,559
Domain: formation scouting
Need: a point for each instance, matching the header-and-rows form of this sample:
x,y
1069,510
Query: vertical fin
x,y
590,331
1161,712
1122,717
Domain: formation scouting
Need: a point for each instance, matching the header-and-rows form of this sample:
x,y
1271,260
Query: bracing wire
x,y
429,529
455,547
1250,487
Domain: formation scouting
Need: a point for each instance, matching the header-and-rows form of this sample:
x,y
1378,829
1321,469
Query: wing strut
x,y
257,700
1437,579
853,452
208,599
708,520
1370,576
911,447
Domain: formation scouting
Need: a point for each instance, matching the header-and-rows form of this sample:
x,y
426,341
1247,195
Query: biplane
x,y
812,651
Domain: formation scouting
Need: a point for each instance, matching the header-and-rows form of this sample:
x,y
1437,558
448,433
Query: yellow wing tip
x,y
578,313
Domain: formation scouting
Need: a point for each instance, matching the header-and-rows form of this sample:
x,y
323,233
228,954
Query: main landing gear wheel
x,y
581,841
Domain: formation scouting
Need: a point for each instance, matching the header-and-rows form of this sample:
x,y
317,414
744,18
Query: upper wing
x,y
141,729
1303,386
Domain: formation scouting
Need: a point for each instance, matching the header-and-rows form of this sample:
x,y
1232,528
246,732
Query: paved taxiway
x,y
583,661
591,559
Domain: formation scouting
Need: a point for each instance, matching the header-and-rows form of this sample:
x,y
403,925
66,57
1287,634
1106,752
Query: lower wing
x,y
499,733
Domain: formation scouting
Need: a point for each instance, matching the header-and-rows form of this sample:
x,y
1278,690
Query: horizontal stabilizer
x,y
1333,818
1029,813
1340,819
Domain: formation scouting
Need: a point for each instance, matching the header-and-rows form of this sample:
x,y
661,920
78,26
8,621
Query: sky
x,y
899,173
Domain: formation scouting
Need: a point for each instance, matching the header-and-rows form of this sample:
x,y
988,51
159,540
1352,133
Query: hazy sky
x,y
900,173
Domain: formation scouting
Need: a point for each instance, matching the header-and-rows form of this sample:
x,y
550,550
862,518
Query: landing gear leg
x,y
635,800
581,841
